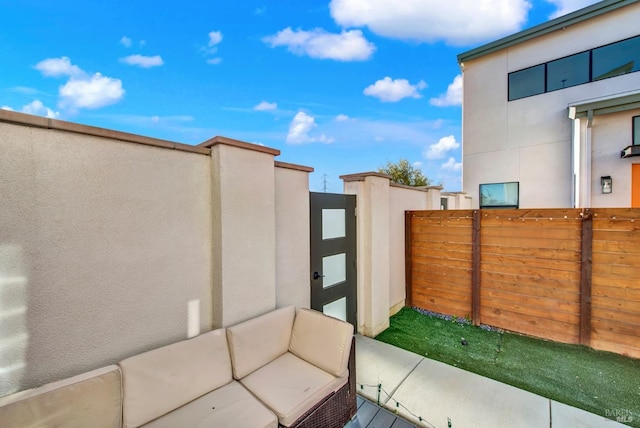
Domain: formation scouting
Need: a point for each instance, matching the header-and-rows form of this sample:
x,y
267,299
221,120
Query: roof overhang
x,y
560,23
605,105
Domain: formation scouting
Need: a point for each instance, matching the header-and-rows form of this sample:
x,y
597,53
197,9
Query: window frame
x,y
546,70
500,206
635,131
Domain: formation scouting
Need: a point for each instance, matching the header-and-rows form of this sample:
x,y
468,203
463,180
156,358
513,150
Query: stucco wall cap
x,y
217,140
24,119
286,165
362,175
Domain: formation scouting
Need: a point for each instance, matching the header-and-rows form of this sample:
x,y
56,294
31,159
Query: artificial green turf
x,y
600,382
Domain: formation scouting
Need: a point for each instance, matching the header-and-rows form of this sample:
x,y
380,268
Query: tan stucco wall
x,y
244,225
400,200
293,243
103,244
529,140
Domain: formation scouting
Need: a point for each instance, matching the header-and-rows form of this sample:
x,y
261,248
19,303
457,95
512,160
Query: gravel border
x,y
453,318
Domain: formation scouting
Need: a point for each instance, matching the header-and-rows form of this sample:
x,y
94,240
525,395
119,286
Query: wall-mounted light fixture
x,y
607,184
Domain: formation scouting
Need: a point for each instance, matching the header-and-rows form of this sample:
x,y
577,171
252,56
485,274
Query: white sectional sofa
x,y
283,368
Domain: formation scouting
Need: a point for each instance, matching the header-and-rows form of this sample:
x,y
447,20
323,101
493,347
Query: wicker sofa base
x,y
338,408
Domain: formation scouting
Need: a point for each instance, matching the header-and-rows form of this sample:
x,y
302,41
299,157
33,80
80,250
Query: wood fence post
x,y
475,269
585,276
408,279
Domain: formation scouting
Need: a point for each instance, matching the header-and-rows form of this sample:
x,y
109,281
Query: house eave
x,y
556,24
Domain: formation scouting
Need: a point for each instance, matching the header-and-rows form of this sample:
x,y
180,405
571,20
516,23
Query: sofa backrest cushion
x,y
258,341
91,399
323,341
159,381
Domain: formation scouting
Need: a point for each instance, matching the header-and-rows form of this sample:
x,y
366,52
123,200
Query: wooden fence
x,y
570,275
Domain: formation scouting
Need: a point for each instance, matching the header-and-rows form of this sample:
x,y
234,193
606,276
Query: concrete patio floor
x,y
438,392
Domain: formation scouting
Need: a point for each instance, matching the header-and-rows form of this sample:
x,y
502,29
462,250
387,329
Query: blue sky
x,y
342,86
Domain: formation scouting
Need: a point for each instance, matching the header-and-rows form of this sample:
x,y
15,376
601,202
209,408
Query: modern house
x,y
551,115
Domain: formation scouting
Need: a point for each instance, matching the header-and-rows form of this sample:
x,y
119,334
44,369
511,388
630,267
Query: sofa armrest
x,y
321,340
89,399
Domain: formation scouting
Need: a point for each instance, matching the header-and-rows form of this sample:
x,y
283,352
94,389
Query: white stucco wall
x,y
103,244
293,237
529,140
609,134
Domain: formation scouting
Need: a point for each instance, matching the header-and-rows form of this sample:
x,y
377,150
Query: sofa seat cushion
x,y
229,406
159,381
90,399
290,386
322,340
260,340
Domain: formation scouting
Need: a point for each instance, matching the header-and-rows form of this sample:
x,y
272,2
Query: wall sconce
x,y
607,184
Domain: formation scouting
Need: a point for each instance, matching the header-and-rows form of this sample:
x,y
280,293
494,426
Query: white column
x,y
372,192
244,225
293,261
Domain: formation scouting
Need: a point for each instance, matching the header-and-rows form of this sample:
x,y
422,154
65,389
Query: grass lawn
x,y
596,381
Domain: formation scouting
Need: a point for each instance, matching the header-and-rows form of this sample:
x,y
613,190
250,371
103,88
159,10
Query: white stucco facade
x,y
557,160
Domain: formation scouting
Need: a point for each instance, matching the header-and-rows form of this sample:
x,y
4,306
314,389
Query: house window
x,y
636,131
527,82
500,195
599,63
570,71
616,59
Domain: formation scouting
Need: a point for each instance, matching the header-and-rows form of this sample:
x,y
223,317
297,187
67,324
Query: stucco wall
x,y
400,200
293,243
609,134
103,244
529,140
244,236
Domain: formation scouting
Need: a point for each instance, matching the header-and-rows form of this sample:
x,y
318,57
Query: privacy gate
x,y
333,255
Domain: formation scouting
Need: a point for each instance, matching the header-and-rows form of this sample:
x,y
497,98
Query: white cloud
x,y
215,37
82,90
440,149
57,67
568,6
91,92
126,42
318,43
460,22
37,108
300,127
417,164
453,96
6,108
388,90
342,118
143,61
266,106
452,165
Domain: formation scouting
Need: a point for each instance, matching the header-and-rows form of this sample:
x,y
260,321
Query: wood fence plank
x,y
543,253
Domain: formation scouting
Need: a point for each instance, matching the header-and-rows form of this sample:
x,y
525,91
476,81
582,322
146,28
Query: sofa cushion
x,y
159,381
228,406
92,399
258,341
323,341
290,386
